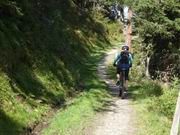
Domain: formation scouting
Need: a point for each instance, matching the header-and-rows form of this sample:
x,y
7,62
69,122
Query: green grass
x,y
73,118
155,107
151,123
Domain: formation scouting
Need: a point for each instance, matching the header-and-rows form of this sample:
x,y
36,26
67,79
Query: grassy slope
x,y
45,48
75,117
154,102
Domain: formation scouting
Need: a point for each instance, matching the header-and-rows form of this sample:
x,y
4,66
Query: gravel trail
x,y
119,117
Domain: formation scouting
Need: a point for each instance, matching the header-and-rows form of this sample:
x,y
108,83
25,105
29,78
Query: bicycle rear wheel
x,y
120,90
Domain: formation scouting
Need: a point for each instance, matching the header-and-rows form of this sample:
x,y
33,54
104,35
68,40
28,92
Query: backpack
x,y
124,58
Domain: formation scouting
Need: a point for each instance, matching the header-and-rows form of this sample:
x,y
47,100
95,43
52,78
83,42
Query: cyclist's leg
x,y
126,79
118,75
121,77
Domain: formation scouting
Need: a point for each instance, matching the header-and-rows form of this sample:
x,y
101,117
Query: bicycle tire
x,y
122,84
120,91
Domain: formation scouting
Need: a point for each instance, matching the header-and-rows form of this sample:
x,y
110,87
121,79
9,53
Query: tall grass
x,y
155,107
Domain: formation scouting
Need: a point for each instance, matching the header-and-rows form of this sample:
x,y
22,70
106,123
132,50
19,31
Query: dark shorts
x,y
119,70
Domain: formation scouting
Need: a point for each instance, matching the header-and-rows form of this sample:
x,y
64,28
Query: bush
x,y
166,103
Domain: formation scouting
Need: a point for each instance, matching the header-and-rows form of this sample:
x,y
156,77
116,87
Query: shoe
x,y
126,91
117,83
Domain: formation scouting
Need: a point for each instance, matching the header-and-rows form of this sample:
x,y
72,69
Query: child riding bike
x,y
123,60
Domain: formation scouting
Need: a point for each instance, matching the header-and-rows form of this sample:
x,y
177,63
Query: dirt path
x,y
118,118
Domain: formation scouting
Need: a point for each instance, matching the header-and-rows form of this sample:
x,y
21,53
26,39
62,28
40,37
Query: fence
x,y
175,124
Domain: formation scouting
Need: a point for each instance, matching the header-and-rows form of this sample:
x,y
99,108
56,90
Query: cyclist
x,y
123,58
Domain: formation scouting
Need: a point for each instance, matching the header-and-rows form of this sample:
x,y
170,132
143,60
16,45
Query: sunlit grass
x,y
75,117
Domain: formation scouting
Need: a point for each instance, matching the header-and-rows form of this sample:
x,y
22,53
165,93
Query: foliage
x,y
158,24
158,21
45,49
165,104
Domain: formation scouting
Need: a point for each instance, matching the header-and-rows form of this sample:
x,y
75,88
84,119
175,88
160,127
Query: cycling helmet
x,y
125,47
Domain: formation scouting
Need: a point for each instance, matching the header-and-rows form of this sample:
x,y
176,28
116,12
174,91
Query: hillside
x,y
45,47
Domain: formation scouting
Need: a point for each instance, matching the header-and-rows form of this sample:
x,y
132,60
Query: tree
x,y
158,23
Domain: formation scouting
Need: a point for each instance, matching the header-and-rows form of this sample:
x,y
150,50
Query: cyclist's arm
x,y
130,59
